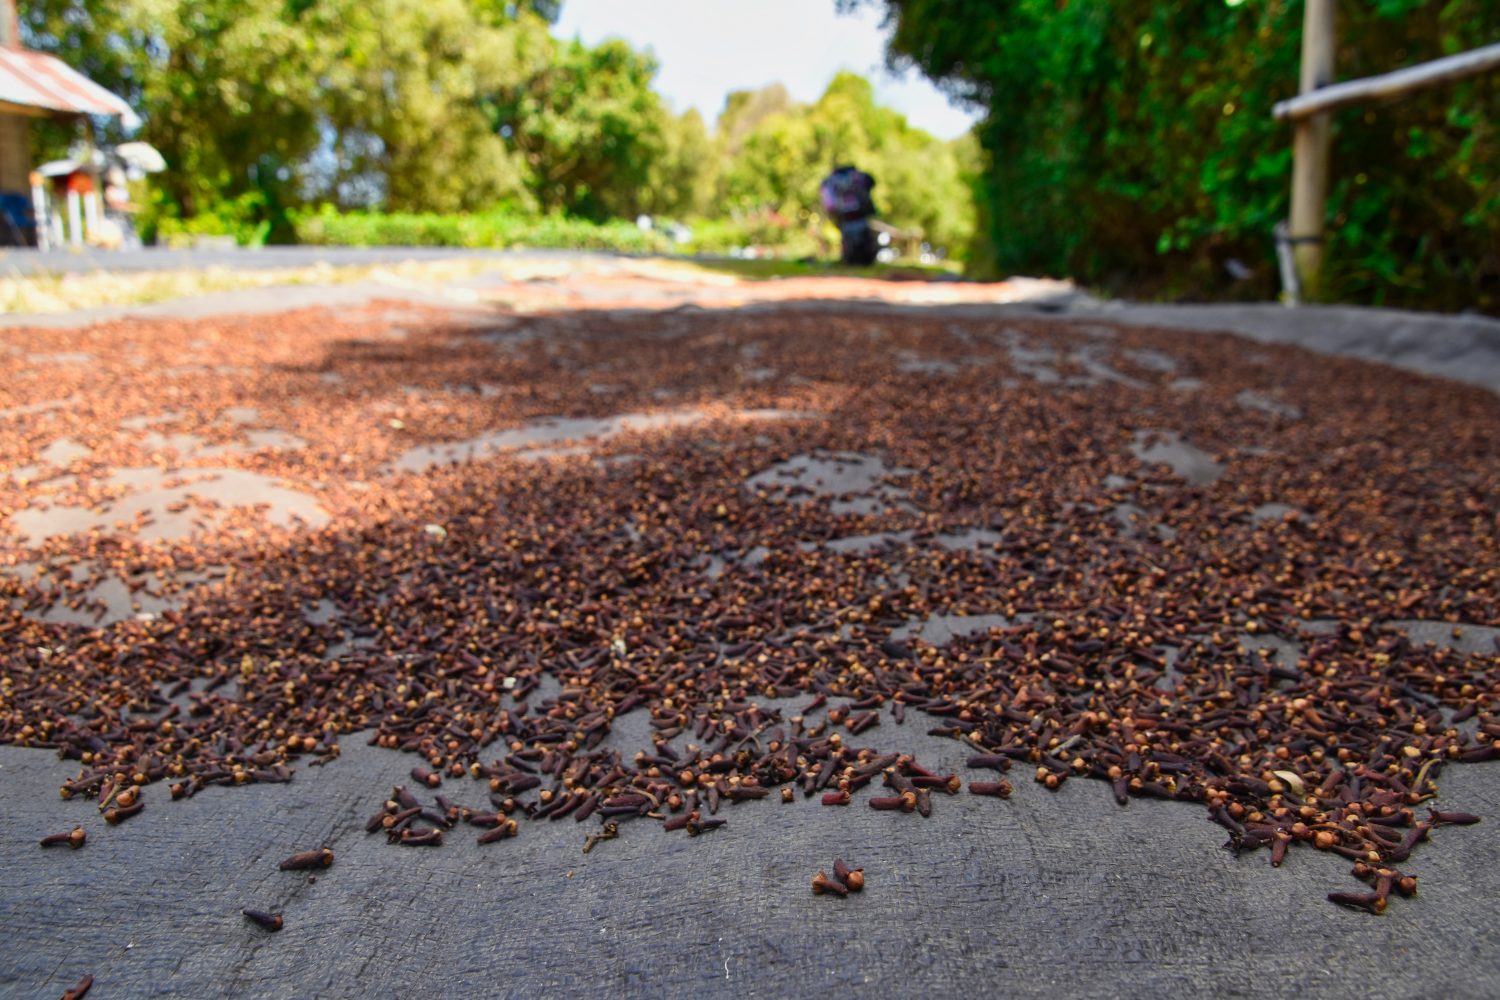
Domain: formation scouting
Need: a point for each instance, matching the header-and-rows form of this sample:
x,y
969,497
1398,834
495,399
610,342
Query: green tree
x,y
222,86
375,101
462,105
77,30
745,109
681,180
405,98
778,154
589,128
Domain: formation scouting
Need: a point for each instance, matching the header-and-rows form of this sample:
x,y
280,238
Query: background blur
x,y
1125,144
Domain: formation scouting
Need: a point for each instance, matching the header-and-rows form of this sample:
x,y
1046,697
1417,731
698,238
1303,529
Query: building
x,y
36,85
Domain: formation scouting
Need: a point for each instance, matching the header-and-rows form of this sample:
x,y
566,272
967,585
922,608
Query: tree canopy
x,y
591,129
362,102
465,105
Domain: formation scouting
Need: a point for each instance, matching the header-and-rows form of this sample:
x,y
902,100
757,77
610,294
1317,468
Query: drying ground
x,y
697,588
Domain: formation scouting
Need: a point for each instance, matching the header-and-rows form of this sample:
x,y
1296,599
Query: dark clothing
x,y
846,198
859,243
846,194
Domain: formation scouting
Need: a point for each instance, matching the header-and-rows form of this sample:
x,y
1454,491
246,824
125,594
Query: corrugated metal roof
x,y
37,80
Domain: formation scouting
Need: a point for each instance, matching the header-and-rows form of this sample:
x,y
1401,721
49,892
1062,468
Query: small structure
x,y
902,242
36,85
69,183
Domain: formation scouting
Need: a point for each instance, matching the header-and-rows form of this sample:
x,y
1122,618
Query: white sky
x,y
708,48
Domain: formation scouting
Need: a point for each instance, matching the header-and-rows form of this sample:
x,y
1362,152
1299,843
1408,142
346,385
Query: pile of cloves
x,y
1239,639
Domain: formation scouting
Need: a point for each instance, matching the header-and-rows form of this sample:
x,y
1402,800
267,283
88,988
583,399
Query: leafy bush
x,y
328,227
245,219
763,230
501,229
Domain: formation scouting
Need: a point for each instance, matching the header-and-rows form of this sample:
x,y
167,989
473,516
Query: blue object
x,y
19,228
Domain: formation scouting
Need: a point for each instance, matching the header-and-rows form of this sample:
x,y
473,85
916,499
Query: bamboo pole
x,y
1395,84
1310,147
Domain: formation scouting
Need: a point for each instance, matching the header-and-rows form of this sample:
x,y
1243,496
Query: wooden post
x,y
1310,147
75,218
15,152
10,25
39,206
92,202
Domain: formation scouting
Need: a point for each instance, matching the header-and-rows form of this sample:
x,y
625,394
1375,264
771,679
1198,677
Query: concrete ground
x,y
89,259
1465,348
1042,895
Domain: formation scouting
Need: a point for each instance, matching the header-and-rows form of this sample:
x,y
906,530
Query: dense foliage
x,y
503,228
464,106
594,135
473,230
1131,143
356,101
776,152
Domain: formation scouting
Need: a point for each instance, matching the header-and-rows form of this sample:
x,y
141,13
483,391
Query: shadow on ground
x,y
719,458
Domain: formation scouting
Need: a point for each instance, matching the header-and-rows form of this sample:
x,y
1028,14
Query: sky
x,y
708,48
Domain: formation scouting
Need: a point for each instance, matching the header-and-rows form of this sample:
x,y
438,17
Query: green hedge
x,y
500,229
762,230
245,219
327,227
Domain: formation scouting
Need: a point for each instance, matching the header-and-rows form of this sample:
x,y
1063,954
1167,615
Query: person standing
x,y
846,197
